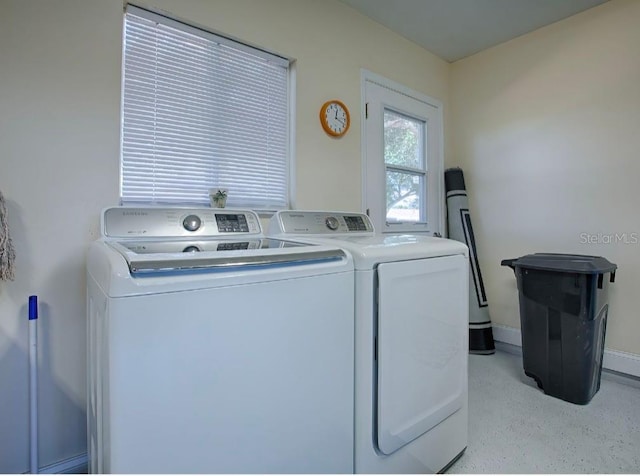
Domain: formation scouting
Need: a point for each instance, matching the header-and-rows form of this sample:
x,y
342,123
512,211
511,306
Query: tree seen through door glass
x,y
403,196
405,167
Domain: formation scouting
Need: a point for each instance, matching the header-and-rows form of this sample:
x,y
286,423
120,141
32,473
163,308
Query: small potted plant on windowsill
x,y
218,197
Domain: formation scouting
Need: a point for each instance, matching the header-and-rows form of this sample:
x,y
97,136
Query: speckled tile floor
x,y
515,428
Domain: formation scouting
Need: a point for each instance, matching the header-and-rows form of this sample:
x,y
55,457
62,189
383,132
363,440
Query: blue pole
x,y
33,307
33,383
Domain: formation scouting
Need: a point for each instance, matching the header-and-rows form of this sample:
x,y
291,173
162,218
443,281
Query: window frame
x,y
211,35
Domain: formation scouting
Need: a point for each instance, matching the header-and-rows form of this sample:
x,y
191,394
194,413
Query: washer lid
x,y
151,257
146,247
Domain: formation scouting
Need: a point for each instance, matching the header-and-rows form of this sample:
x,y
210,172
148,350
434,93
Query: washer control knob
x,y
192,223
332,223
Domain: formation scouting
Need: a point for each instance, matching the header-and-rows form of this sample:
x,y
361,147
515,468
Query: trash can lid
x,y
582,264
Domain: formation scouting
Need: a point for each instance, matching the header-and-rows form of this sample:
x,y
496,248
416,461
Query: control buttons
x,y
355,223
243,245
232,223
332,223
192,223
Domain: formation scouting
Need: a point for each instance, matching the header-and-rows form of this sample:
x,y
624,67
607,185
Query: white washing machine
x,y
213,349
411,312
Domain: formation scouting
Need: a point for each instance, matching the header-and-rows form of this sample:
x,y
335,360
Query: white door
x,y
403,158
422,346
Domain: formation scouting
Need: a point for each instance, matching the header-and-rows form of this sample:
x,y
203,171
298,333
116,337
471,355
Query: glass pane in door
x,y
405,197
403,140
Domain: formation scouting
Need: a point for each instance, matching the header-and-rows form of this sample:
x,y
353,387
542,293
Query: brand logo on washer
x,y
137,214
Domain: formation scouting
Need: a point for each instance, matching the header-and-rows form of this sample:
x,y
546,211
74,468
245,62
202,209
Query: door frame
x,y
368,76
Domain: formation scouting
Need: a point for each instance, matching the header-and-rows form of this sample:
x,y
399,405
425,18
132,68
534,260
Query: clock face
x,y
334,117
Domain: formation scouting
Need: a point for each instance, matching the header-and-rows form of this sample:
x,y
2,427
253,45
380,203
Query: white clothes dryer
x,y
213,349
411,318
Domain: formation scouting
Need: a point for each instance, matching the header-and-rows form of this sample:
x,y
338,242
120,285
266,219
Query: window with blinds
x,y
199,112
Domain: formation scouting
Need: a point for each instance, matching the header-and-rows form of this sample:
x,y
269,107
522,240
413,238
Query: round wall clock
x,y
334,117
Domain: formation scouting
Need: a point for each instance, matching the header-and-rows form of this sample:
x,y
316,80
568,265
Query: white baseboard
x,y
508,335
623,362
76,465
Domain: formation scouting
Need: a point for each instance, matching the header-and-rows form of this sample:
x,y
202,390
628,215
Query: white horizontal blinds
x,y
200,111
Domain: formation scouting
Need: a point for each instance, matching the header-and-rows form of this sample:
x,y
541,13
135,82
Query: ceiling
x,y
455,29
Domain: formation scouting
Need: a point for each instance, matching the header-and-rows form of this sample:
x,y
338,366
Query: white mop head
x,y
7,253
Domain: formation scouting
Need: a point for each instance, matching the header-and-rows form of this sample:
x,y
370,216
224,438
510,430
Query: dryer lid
x,y
369,251
354,232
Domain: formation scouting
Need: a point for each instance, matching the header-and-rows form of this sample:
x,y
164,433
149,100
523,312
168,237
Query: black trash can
x,y
563,316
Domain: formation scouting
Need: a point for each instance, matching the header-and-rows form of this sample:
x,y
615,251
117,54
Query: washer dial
x,y
332,223
192,223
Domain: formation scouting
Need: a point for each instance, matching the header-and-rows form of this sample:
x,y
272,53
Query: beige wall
x,y
59,162
59,129
547,130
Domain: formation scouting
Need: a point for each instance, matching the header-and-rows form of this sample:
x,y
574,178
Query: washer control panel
x,y
147,222
320,223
